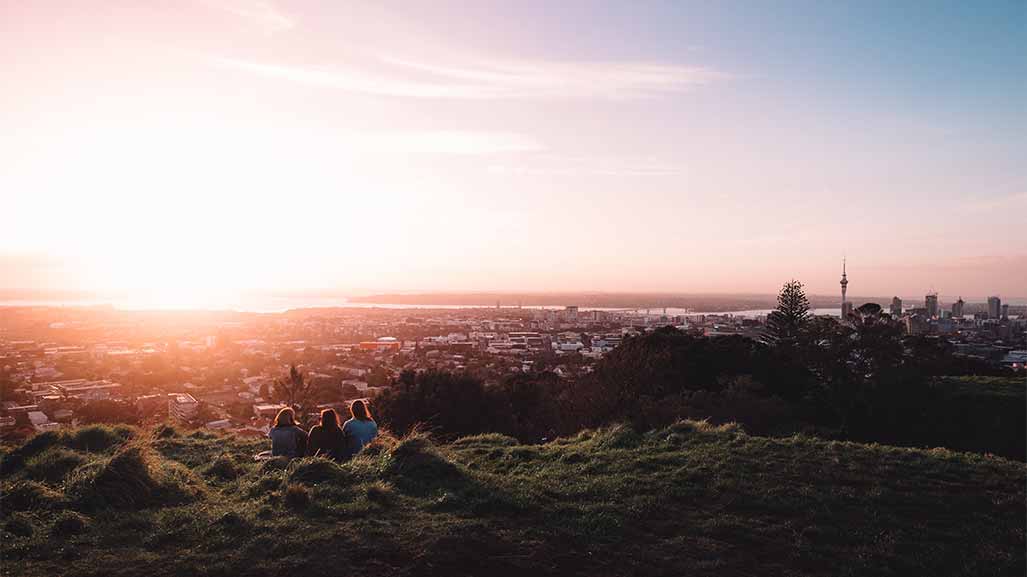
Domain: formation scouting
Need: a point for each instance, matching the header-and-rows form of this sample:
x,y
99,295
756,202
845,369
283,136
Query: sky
x,y
204,147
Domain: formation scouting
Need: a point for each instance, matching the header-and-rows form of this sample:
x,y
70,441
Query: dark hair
x,y
285,418
329,419
360,410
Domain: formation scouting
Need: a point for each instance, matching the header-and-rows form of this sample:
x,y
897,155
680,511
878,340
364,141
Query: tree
x,y
876,344
447,404
294,390
785,325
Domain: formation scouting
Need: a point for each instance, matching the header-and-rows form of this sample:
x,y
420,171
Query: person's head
x,y
329,419
285,417
360,410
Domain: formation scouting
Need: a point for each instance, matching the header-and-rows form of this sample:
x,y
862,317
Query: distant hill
x,y
687,499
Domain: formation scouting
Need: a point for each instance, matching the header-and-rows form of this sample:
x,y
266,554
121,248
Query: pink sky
x,y
209,146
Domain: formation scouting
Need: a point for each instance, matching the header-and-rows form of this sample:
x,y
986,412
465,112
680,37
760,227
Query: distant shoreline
x,y
655,303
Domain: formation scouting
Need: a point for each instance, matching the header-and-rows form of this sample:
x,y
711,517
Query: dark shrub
x,y
441,402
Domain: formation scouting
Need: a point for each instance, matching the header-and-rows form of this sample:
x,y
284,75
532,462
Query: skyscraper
x,y
994,308
957,309
896,307
846,305
931,304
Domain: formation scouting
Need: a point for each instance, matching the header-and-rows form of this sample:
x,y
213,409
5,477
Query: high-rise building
x,y
931,304
846,305
1005,311
896,307
957,309
994,307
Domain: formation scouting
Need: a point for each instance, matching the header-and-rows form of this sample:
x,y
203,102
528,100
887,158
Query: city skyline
x,y
190,152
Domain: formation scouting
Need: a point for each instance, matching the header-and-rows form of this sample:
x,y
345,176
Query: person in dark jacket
x,y
326,439
287,440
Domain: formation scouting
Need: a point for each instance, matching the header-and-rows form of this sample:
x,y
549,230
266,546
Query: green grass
x,y
689,499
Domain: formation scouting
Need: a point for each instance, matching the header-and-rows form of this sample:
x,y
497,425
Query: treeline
x,y
862,380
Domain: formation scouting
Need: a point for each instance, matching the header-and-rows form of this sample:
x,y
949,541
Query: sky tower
x,y
846,305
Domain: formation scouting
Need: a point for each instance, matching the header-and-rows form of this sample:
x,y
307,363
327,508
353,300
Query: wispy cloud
x,y
263,15
493,79
449,142
550,165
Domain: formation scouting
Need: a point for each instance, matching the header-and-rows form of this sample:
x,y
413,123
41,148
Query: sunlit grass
x,y
691,498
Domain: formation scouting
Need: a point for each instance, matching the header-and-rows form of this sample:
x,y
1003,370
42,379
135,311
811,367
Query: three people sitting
x,y
327,438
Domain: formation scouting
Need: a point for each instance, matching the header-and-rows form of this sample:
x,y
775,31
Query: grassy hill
x,y
689,499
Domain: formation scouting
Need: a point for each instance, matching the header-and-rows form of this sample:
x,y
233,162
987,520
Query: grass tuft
x,y
53,465
274,464
297,497
317,470
224,467
68,524
19,525
100,438
415,463
133,478
485,441
381,493
36,444
165,431
618,436
29,496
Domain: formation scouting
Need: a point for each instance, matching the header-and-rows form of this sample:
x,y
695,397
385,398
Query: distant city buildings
x,y
182,407
994,308
382,344
931,304
230,367
957,308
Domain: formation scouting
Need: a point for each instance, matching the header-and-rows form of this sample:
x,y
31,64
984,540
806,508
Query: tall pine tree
x,y
786,323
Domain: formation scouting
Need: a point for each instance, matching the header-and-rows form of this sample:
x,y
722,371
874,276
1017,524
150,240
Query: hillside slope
x,y
688,499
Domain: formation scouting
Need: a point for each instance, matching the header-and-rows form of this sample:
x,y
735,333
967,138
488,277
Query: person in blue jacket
x,y
361,429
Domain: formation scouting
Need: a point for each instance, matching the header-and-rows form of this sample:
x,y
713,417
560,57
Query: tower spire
x,y
846,306
844,282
